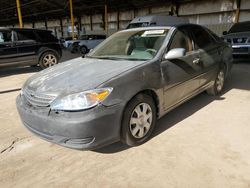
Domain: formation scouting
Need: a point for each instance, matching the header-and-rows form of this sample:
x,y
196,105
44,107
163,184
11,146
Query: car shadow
x,y
172,118
9,71
18,70
239,79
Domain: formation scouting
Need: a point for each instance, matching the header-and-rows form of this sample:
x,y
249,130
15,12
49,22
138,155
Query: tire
x,y
48,59
219,82
137,128
83,50
74,48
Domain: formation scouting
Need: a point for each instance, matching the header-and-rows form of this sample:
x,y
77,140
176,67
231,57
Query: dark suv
x,y
239,37
22,47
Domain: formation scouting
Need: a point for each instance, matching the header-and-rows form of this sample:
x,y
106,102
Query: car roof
x,y
158,17
23,29
160,27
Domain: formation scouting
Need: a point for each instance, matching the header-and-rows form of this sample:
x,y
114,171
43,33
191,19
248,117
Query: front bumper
x,y
85,130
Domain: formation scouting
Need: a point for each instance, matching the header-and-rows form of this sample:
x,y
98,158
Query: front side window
x,y
131,45
5,36
181,40
202,38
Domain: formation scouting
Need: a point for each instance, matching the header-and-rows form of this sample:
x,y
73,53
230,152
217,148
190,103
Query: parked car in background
x,y
63,41
86,43
90,42
119,90
239,37
22,47
156,20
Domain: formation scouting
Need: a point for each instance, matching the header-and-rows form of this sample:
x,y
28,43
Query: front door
x,y
181,74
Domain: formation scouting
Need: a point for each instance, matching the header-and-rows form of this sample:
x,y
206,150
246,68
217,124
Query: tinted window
x,y
216,38
181,40
135,25
46,36
202,38
26,35
5,36
100,37
84,37
240,27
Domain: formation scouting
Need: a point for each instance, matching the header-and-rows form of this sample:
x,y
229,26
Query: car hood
x,y
77,75
238,35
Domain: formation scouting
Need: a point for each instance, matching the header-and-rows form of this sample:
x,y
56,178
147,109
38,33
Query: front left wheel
x,y
139,120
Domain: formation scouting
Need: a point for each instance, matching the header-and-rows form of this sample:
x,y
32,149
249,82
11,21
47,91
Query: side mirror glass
x,y
225,33
175,53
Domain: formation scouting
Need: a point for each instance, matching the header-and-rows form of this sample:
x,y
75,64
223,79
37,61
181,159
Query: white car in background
x,y
85,43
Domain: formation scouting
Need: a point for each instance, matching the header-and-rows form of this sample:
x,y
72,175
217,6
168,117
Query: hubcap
x,y
141,120
220,81
49,60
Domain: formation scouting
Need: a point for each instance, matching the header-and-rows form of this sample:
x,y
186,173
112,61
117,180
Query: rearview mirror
x,y
224,33
175,53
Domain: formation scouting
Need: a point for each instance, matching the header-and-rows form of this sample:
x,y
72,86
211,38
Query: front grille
x,y
36,99
239,40
240,50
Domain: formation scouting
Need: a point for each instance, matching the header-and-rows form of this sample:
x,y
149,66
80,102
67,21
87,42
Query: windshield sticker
x,y
153,32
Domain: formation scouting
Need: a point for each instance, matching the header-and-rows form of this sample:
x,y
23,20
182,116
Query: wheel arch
x,y
153,95
41,51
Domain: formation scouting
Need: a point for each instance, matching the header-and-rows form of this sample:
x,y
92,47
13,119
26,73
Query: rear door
x,y
26,46
181,74
8,51
210,53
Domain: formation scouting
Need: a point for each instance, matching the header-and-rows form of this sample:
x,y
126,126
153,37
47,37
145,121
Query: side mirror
x,y
175,53
224,33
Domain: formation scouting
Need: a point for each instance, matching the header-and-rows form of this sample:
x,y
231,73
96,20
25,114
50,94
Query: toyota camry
x,y
120,89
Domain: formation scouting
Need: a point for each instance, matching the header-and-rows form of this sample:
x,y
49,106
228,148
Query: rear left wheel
x,y
48,59
219,82
83,50
139,120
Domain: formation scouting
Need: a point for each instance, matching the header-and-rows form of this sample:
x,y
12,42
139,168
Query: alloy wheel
x,y
49,60
220,80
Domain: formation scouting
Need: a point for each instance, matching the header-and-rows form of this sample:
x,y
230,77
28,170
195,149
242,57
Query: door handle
x,y
196,61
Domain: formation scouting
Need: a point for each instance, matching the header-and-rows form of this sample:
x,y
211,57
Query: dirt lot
x,y
203,143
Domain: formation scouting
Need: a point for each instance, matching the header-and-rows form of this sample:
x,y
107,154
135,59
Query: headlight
x,y
81,101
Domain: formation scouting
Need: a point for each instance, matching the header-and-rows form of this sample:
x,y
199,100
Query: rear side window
x,y
46,36
26,35
202,38
5,36
100,37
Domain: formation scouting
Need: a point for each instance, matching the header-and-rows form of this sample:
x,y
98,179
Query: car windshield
x,y
240,27
131,45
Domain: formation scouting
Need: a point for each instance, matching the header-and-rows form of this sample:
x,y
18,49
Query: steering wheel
x,y
151,51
